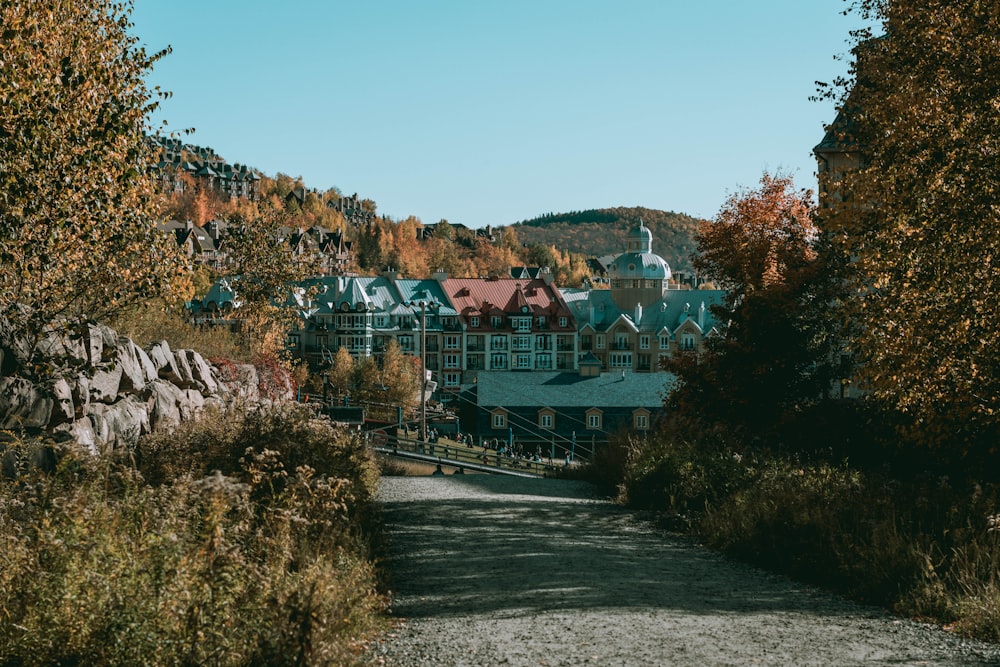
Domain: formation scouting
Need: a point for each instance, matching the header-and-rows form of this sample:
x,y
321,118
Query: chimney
x,y
701,316
638,313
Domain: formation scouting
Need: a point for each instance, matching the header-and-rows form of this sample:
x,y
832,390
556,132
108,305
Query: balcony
x,y
621,345
475,347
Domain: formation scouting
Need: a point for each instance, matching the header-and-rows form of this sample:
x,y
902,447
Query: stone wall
x,y
87,385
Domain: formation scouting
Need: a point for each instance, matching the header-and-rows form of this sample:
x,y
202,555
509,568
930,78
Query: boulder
x,y
185,378
62,341
164,399
23,405
105,337
131,363
202,373
164,362
105,383
191,404
63,410
124,422
81,395
81,433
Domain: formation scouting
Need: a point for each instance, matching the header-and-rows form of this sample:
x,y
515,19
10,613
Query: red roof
x,y
486,297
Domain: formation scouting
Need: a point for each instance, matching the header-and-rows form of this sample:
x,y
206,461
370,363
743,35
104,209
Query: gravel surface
x,y
490,570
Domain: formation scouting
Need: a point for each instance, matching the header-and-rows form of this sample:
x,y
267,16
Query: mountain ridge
x,y
600,232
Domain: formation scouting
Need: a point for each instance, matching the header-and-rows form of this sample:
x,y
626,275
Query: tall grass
x,y
927,546
236,541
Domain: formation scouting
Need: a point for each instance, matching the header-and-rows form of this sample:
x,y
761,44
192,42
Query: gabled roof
x,y
428,290
538,389
476,296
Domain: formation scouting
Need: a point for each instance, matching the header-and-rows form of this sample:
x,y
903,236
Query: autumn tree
x,y
265,275
76,224
340,376
919,214
401,375
777,351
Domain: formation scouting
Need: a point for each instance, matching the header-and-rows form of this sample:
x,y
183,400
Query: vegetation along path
x,y
490,570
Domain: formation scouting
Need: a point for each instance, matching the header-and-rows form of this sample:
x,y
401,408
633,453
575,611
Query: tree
x,y
777,353
265,276
919,215
76,224
340,376
401,375
759,238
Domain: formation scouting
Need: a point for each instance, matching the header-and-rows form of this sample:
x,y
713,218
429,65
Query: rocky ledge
x,y
85,384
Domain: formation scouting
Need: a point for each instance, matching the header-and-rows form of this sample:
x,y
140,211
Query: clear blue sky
x,y
490,112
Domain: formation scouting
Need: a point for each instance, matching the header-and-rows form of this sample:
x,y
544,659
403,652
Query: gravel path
x,y
490,570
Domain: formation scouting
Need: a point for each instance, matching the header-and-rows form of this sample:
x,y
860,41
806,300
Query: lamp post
x,y
423,371
423,303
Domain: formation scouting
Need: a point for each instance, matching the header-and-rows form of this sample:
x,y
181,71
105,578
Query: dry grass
x,y
263,562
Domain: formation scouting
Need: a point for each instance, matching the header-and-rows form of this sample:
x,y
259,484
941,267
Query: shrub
x,y
261,562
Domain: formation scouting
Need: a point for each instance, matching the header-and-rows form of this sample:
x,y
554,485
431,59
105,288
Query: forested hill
x,y
603,232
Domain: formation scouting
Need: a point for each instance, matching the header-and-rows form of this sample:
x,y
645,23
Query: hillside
x,y
603,232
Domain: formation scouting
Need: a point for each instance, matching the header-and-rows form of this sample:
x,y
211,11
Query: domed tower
x,y
638,276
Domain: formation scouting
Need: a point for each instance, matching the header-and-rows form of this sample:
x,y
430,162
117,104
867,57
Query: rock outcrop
x,y
103,392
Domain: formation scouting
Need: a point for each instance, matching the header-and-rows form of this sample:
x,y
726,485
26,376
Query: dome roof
x,y
639,265
640,239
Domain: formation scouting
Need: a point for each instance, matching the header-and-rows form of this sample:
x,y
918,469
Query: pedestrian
x,y
437,470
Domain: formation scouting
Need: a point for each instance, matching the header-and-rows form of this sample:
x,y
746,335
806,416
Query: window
x,y
521,343
498,343
497,322
622,342
521,323
643,362
452,360
600,341
543,362
563,322
474,322
664,342
451,379
524,361
586,342
641,422
688,341
293,341
498,361
593,420
545,420
620,360
644,342
543,342
540,322
499,420
451,342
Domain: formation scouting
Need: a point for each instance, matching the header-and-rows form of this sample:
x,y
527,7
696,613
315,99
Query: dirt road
x,y
492,570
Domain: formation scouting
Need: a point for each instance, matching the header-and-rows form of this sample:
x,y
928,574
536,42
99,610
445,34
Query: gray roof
x,y
596,308
560,389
